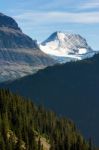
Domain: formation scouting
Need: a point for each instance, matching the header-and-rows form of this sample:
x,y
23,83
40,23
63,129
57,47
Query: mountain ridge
x,y
6,21
71,86
22,127
19,54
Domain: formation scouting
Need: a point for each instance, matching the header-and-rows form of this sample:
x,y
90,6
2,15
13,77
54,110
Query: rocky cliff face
x,y
6,21
19,54
11,36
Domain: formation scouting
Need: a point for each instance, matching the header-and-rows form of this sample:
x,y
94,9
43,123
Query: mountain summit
x,y
11,36
66,45
6,21
19,54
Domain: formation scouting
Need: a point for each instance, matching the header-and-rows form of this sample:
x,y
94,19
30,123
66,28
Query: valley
x,y
60,74
70,90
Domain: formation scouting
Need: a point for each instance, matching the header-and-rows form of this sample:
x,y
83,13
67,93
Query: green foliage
x,y
21,121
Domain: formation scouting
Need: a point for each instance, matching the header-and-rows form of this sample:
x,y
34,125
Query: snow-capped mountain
x,y
19,54
66,47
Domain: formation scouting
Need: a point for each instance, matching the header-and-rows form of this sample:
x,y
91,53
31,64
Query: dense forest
x,y
70,89
25,126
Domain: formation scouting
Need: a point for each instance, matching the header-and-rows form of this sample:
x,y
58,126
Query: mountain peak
x,y
63,44
8,22
60,35
11,36
19,54
56,35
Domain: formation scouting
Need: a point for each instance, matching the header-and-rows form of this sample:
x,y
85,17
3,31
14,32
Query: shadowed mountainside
x,y
71,89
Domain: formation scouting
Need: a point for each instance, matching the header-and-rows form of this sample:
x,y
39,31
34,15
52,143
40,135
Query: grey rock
x,y
19,54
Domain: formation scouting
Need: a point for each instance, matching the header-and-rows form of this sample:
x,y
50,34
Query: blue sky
x,y
40,18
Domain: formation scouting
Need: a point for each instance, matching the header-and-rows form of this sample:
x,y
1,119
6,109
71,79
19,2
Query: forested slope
x,y
23,125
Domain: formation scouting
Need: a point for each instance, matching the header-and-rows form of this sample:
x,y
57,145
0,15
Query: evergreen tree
x,y
22,123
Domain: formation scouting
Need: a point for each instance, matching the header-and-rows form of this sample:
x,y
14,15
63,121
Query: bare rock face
x,y
11,38
11,35
19,54
6,21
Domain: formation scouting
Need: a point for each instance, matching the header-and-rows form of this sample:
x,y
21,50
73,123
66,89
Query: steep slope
x,y
71,89
19,54
25,126
11,35
67,46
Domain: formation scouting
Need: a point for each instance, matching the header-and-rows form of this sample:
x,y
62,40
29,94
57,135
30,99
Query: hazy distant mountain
x,y
19,54
67,47
71,89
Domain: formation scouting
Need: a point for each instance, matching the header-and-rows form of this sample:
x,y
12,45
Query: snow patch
x,y
62,45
